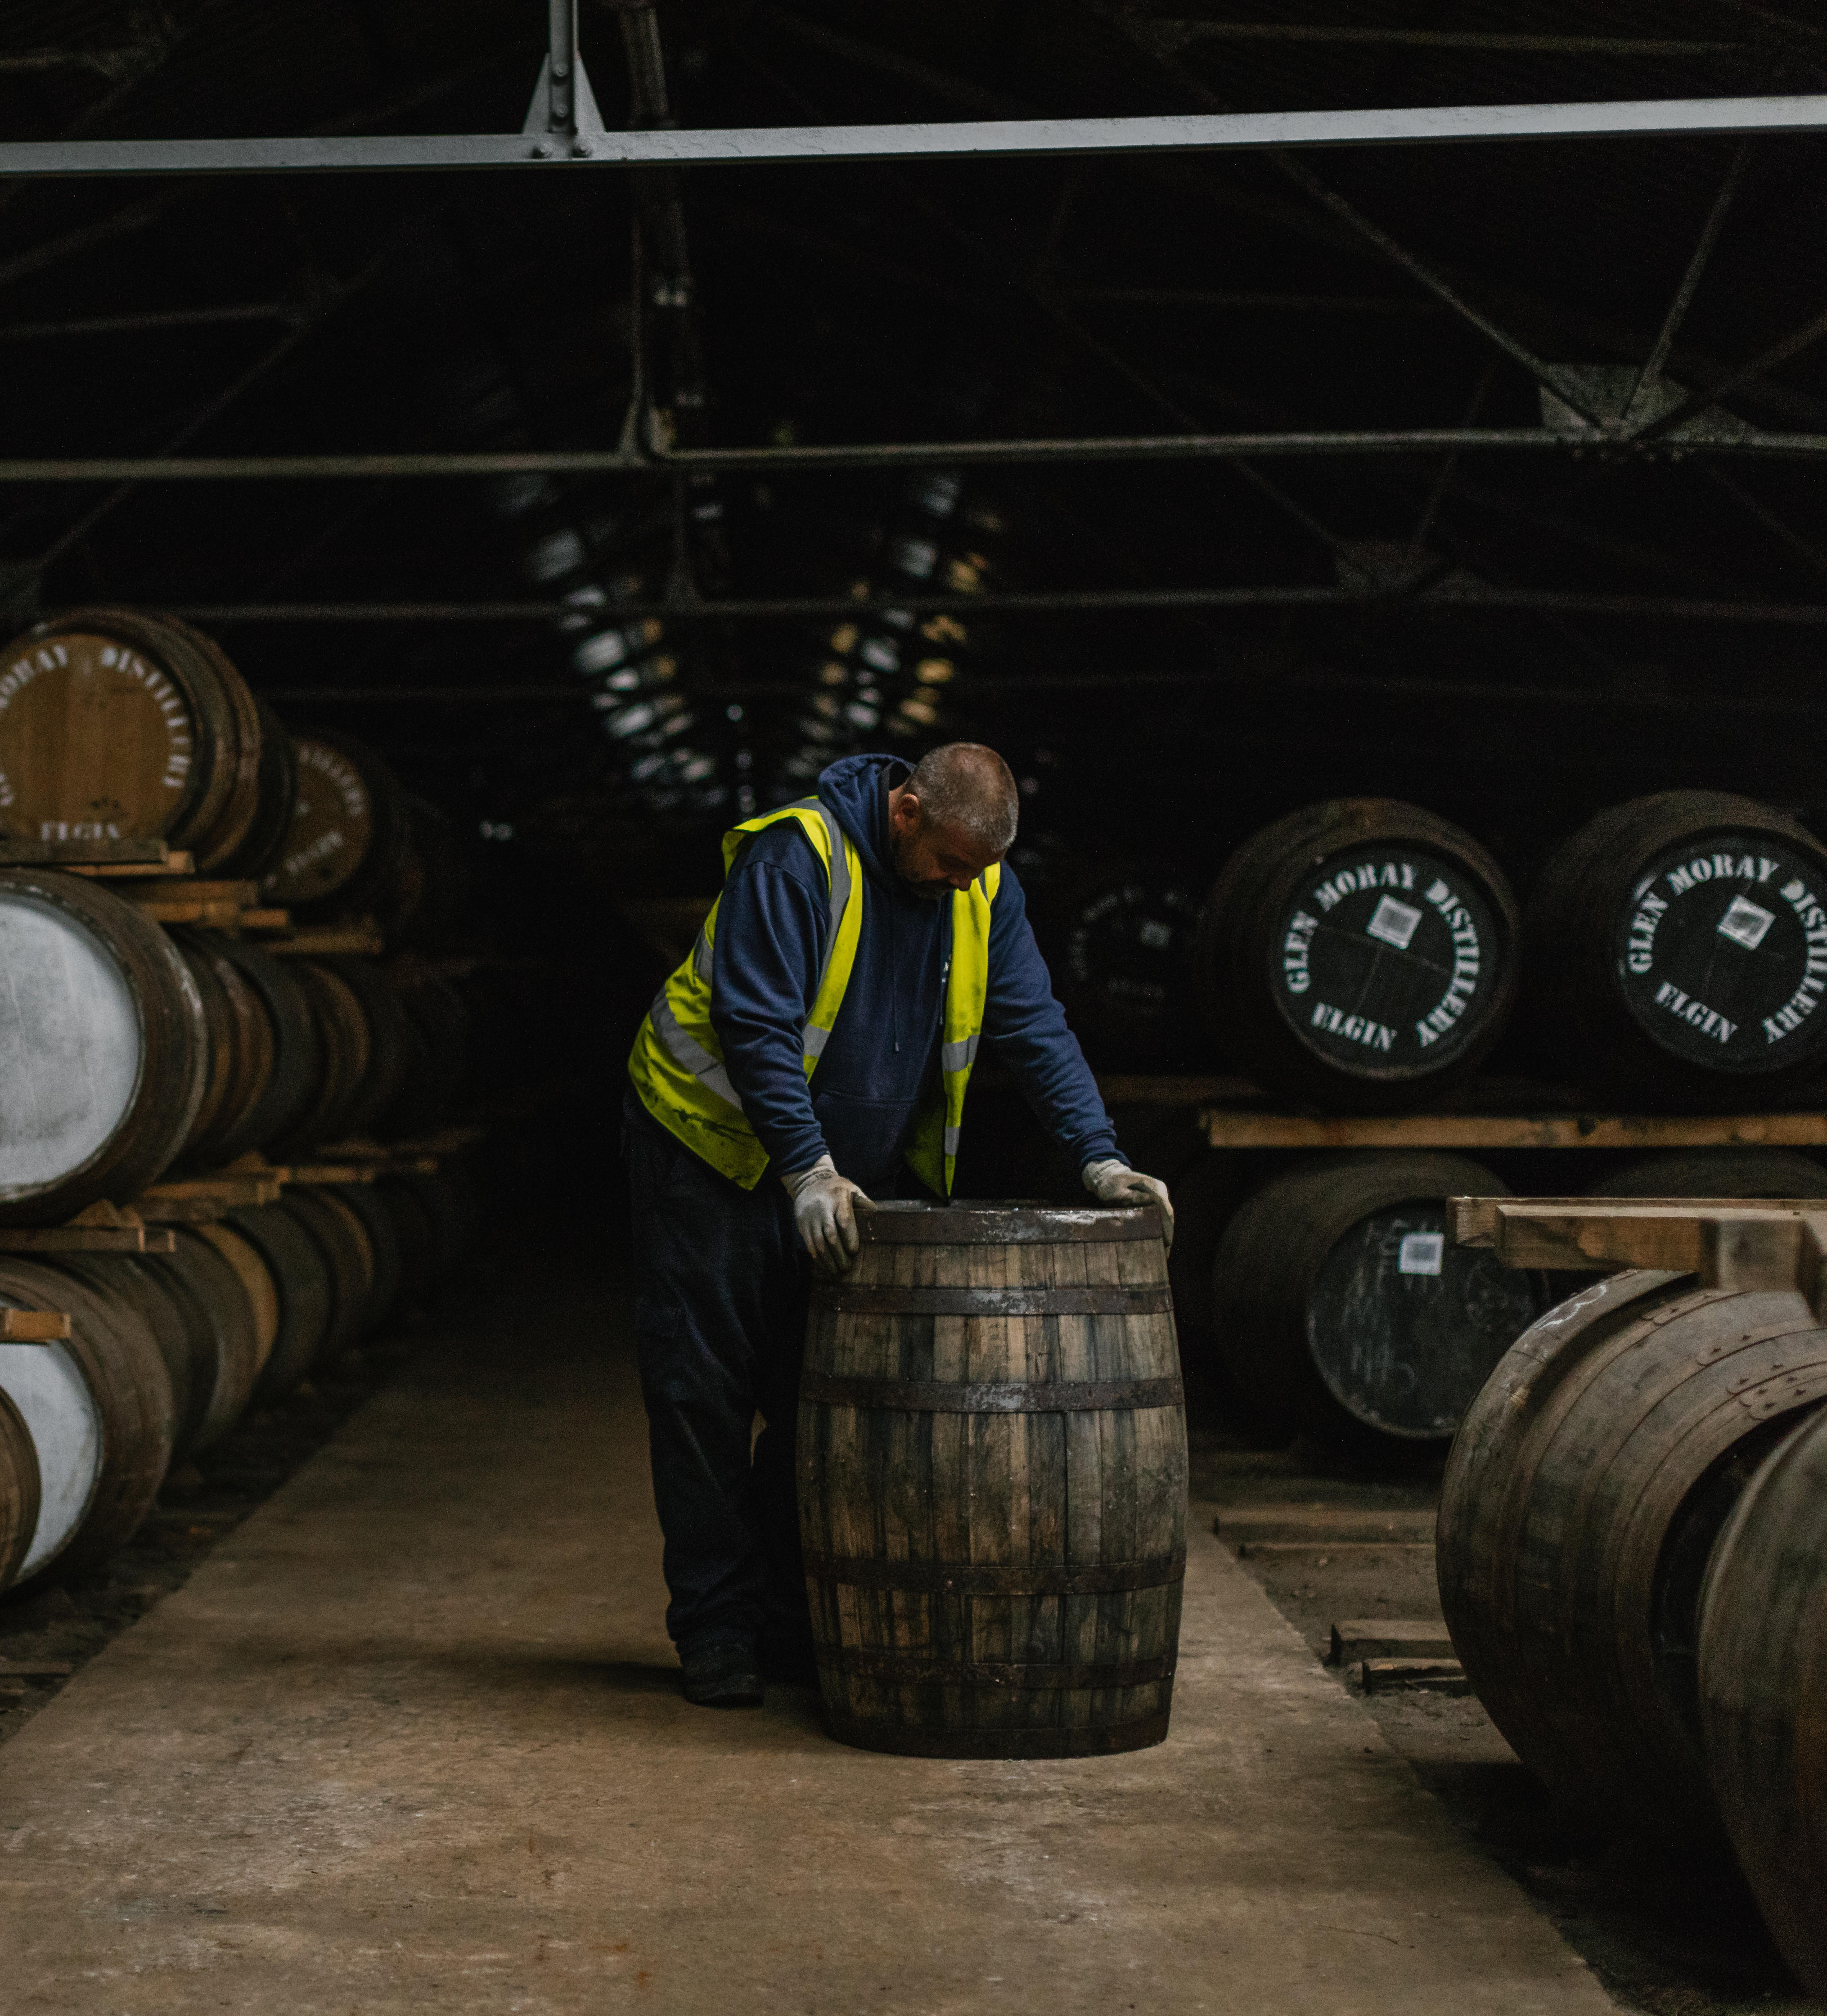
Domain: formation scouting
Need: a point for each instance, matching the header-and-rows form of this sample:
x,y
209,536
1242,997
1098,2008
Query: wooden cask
x,y
386,1276
304,1294
1340,1309
342,853
1581,1503
348,1258
1672,951
1763,1679
44,1384
1360,954
1124,972
104,1047
225,1311
118,1437
117,723
19,1492
295,1075
241,1046
992,1470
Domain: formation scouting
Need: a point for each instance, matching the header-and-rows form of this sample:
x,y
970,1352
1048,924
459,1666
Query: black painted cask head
x,y
1124,972
1679,943
1360,953
1343,1310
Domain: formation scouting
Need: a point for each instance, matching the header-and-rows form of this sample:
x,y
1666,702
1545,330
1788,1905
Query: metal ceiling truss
x,y
565,128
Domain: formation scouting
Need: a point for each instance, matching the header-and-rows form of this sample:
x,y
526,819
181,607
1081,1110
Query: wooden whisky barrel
x,y
992,1472
1360,954
114,1440
349,1259
227,1312
293,1082
19,1492
387,1277
1124,971
277,793
304,1291
1342,1310
395,1049
240,1048
104,1048
348,828
1581,1503
117,724
44,1383
1762,1674
1676,949
343,1052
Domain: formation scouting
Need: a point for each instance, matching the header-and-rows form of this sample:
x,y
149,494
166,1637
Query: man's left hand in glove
x,y
1112,1181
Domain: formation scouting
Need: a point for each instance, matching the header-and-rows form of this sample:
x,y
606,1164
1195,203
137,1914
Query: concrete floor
x,y
410,1739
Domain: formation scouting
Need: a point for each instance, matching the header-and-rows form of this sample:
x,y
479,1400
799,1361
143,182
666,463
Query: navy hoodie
x,y
883,1054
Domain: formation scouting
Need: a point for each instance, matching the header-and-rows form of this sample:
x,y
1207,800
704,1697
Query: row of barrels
x,y
125,725
1632,1554
127,1049
167,1351
1365,955
1328,1302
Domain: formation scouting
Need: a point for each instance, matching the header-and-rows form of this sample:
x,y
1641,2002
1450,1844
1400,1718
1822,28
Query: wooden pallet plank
x,y
96,857
1230,1127
33,1327
84,1239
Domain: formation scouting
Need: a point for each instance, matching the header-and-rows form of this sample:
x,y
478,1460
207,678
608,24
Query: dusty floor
x,y
409,1737
1658,1941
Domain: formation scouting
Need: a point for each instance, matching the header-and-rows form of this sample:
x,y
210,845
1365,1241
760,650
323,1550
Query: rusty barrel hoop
x,y
992,1463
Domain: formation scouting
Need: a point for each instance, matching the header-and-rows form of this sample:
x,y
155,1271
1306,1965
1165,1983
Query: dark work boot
x,y
721,1670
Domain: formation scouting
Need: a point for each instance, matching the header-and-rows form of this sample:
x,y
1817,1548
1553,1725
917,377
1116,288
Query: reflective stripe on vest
x,y
677,1064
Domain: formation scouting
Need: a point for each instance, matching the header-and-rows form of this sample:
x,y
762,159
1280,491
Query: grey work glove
x,y
824,1214
1112,1181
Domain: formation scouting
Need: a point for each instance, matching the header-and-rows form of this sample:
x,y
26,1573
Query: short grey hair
x,y
966,786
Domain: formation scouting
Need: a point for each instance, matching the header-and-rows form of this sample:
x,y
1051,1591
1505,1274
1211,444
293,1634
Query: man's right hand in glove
x,y
824,1214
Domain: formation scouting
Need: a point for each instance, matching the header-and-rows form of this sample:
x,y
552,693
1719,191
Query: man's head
x,y
953,817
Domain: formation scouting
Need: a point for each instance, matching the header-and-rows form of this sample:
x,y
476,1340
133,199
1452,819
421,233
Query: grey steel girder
x,y
588,144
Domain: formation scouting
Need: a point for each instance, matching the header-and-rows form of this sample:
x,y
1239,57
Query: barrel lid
x,y
1002,1221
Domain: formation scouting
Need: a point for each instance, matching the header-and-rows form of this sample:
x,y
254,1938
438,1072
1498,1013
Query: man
x,y
812,1052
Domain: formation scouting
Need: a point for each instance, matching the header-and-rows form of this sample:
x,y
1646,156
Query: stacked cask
x,y
1633,1562
131,1051
1365,956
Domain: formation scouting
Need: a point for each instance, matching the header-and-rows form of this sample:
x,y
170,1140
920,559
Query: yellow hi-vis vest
x,y
677,1064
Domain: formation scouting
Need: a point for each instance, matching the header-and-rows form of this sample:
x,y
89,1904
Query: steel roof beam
x,y
1144,447
1578,601
943,140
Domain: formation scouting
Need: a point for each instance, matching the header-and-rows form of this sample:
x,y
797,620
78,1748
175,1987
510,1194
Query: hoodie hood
x,y
856,789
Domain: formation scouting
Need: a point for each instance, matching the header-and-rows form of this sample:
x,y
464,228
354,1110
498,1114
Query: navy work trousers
x,y
721,1283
